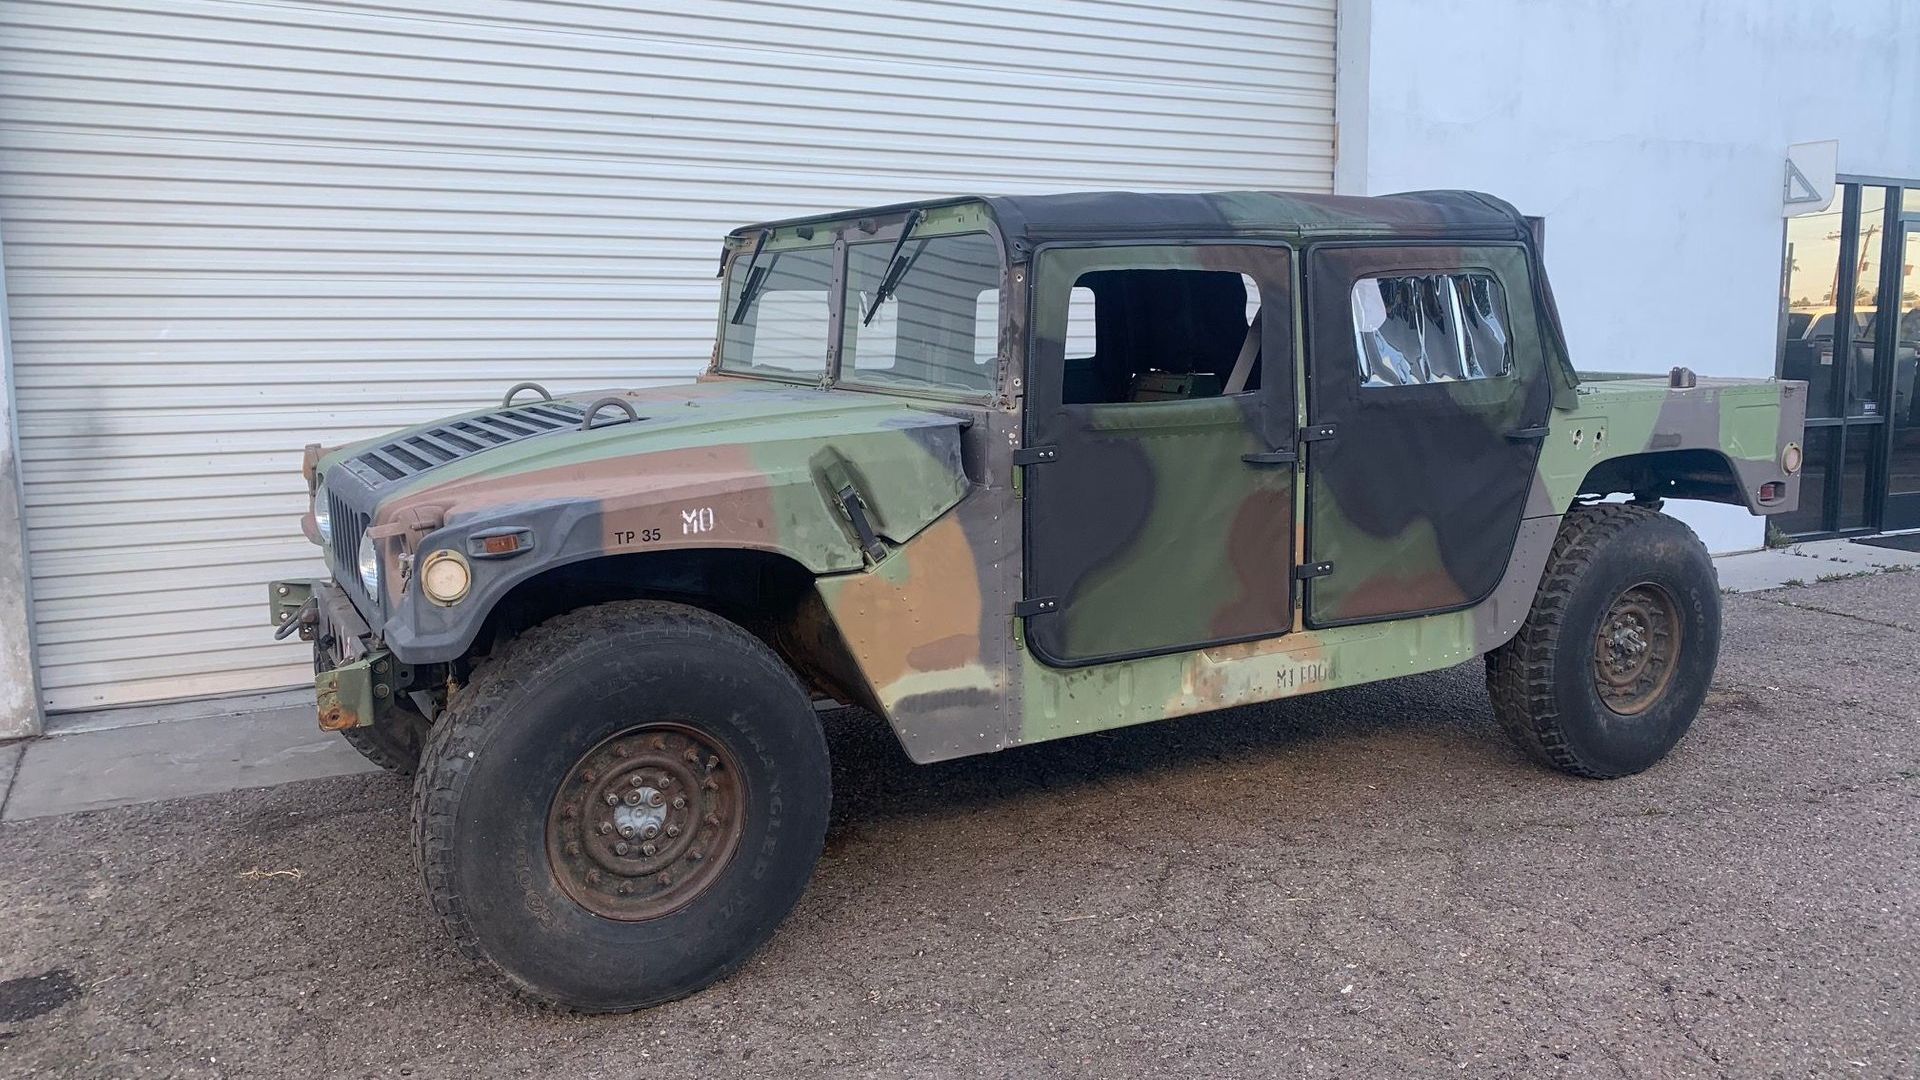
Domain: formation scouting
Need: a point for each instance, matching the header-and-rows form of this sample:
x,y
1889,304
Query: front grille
x,y
348,525
414,454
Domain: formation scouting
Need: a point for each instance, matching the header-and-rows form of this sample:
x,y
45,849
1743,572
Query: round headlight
x,y
369,567
322,514
445,577
1790,458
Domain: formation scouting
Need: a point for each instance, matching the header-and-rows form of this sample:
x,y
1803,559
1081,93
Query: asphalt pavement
x,y
1363,883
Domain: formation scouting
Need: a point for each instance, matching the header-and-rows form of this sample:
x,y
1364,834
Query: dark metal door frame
x,y
1898,510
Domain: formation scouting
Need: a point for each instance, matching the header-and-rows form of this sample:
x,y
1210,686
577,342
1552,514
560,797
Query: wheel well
x,y
769,595
1706,475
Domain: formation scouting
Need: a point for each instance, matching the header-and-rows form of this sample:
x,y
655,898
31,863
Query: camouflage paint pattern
x,y
1385,505
1206,552
725,463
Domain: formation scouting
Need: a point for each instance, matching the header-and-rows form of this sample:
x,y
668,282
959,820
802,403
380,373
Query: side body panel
x,y
932,629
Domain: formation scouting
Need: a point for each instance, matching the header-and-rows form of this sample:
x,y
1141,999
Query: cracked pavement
x,y
1368,882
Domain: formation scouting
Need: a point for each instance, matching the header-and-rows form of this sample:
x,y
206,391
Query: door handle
x,y
1271,457
1528,434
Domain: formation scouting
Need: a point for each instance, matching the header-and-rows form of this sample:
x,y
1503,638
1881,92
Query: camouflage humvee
x,y
1000,470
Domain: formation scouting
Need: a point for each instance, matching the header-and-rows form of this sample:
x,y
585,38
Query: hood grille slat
x,y
400,458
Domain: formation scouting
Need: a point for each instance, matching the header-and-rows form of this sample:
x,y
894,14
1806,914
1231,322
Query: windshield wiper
x,y
755,277
896,266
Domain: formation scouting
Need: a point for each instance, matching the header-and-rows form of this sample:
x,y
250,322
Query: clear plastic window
x,y
777,317
1413,329
940,325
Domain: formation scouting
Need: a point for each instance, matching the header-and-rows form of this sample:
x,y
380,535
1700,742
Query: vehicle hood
x,y
770,455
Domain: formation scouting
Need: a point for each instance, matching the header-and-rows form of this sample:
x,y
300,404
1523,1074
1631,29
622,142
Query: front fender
x,y
686,500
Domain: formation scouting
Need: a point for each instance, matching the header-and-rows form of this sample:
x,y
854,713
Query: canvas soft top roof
x,y
1026,221
1029,220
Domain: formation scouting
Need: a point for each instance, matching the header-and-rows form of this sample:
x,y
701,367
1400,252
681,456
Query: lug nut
x,y
655,799
711,819
679,803
665,879
649,830
621,848
692,754
589,776
648,850
637,780
626,831
612,799
673,830
621,750
659,742
633,798
593,877
573,847
696,856
606,827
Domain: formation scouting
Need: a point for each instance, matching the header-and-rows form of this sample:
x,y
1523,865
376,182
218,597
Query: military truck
x,y
1000,470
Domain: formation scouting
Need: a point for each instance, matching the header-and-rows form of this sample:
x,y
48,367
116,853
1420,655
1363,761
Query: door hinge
x,y
1316,433
1036,455
1312,570
1039,605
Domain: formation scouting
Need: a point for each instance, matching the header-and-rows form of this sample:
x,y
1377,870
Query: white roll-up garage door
x,y
232,228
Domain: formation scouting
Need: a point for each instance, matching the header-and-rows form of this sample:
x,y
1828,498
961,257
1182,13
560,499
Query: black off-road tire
x,y
394,742
1547,689
504,766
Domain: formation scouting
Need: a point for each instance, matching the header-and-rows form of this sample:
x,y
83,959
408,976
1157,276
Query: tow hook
x,y
303,620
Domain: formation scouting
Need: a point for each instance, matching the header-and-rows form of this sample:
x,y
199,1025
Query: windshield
x,y
778,314
938,329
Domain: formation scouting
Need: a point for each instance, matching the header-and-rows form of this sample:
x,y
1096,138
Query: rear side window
x,y
1413,329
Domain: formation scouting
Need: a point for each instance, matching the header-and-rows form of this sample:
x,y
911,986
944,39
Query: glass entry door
x,y
1900,343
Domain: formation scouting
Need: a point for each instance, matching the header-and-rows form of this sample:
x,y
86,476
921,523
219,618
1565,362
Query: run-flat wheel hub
x,y
645,821
1635,649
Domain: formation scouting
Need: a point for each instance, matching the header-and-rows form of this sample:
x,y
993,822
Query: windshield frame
x,y
883,227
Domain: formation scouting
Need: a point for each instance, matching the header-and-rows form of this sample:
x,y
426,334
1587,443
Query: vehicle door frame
x,y
1042,402
1535,423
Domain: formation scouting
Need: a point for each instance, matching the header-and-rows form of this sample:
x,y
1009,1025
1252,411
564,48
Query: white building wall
x,y
1651,135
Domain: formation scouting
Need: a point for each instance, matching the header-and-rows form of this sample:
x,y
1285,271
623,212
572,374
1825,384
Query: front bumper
x,y
357,681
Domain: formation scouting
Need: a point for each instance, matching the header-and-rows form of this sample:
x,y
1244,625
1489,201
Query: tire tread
x,y
474,713
1521,673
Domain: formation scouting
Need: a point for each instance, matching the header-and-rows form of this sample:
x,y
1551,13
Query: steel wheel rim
x,y
645,822
1636,648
